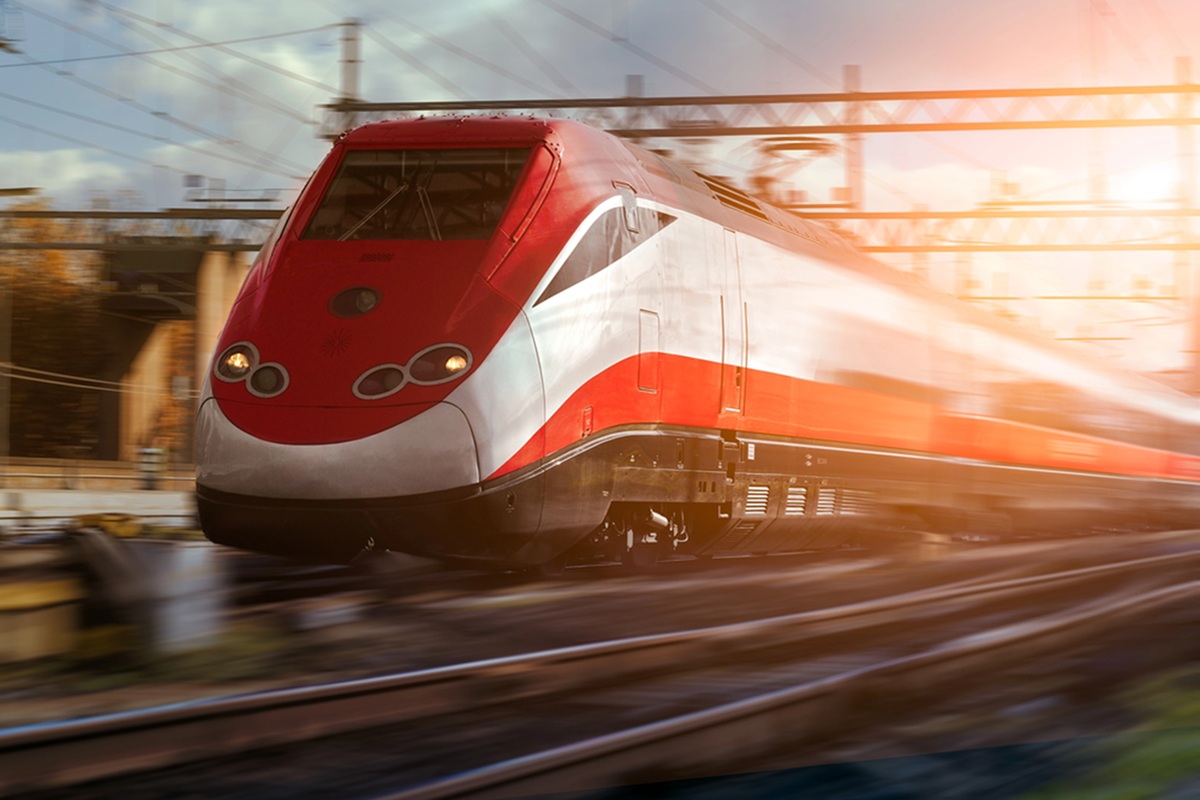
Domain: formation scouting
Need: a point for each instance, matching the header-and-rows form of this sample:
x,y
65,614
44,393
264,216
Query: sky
x,y
120,101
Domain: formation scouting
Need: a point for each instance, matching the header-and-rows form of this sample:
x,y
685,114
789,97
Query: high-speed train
x,y
506,341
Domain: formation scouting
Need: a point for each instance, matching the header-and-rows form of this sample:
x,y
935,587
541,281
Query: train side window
x,y
608,240
629,205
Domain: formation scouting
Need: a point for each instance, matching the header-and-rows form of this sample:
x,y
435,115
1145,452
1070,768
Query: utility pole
x,y
351,65
855,186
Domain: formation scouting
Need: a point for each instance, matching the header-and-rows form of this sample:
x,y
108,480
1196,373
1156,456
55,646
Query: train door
x,y
733,324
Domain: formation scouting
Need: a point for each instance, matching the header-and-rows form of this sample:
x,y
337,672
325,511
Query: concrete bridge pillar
x,y
218,280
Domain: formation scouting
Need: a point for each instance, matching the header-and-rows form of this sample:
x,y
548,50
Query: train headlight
x,y
236,362
240,362
365,300
439,364
380,382
354,302
268,380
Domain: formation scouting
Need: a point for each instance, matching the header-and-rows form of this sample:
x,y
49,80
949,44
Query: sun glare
x,y
1151,184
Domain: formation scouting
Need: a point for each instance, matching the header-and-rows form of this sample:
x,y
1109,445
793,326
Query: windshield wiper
x,y
435,232
402,187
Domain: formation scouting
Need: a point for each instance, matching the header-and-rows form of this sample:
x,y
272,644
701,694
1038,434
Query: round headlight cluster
x,y
237,362
440,363
240,362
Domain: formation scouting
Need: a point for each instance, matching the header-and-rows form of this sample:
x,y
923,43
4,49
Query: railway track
x,y
792,669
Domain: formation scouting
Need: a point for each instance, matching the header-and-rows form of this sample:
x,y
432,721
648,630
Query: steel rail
x,y
74,751
635,751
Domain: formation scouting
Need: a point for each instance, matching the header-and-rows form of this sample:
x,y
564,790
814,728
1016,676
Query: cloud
x,y
61,174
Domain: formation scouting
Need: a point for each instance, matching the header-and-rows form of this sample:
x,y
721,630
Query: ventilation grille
x,y
797,501
826,502
855,501
733,198
757,498
735,536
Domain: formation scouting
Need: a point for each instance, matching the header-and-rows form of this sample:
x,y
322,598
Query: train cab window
x,y
606,241
418,194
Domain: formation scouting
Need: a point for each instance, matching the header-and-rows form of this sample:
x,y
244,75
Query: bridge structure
x,y
158,269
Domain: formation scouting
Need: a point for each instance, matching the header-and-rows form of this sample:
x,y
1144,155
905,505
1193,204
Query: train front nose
x,y
326,501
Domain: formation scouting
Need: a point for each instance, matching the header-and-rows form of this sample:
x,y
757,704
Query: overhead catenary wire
x,y
91,145
157,114
780,49
225,84
161,50
466,54
247,92
417,64
283,138
129,131
286,134
762,38
640,52
222,46
531,53
13,372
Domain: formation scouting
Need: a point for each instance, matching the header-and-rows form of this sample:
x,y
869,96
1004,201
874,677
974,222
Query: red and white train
x,y
502,340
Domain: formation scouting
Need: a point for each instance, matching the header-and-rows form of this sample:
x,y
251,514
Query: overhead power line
x,y
81,142
225,84
258,62
139,53
640,52
129,131
771,44
530,52
80,382
246,149
417,64
466,54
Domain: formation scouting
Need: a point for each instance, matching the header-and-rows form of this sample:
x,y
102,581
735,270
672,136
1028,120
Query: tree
x,y
56,349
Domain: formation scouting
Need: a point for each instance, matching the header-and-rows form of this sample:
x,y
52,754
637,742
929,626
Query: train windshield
x,y
418,194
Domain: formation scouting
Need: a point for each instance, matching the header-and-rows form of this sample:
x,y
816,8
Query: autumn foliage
x,y
56,339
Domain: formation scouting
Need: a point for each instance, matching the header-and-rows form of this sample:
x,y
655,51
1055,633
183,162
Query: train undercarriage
x,y
643,494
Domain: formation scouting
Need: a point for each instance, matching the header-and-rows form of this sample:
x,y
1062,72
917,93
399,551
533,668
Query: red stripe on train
x,y
790,407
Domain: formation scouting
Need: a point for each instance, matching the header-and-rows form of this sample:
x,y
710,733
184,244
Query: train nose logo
x,y
336,342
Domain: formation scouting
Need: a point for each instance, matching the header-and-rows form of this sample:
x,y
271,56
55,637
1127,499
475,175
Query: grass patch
x,y
1161,758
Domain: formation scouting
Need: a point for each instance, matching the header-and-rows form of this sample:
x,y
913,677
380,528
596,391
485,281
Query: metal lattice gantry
x,y
141,234
998,230
209,229
982,230
851,112
876,232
